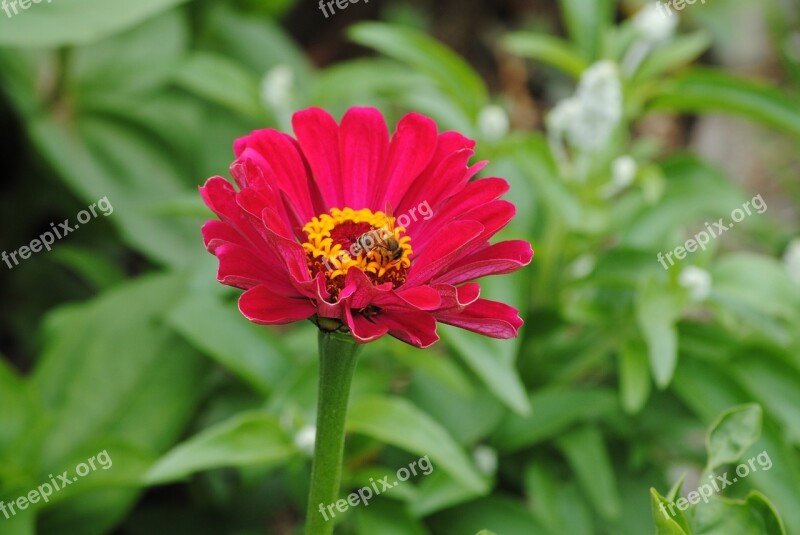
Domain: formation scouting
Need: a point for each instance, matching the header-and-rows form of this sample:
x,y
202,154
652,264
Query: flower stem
x,y
338,354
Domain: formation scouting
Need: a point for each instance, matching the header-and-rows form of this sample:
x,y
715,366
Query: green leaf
x,y
249,439
388,518
634,376
666,523
398,422
588,456
657,310
112,376
732,433
587,21
496,514
133,62
493,363
426,55
679,52
75,21
708,90
548,49
723,516
221,332
91,265
220,80
554,410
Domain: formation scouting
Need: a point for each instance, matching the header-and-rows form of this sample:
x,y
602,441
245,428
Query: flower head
x,y
348,226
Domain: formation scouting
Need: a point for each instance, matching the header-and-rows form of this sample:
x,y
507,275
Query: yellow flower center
x,y
350,238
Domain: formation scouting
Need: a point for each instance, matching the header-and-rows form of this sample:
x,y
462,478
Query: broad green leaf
x,y
112,376
439,491
634,376
136,61
496,513
249,439
548,49
553,411
657,310
427,56
220,331
99,164
492,363
708,90
732,433
775,384
666,522
679,52
387,518
754,515
398,422
91,265
220,80
74,21
587,22
18,408
588,457
110,367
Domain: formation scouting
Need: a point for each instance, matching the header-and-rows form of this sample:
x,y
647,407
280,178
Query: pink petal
x,y
410,152
446,246
363,145
486,317
261,305
476,194
445,174
497,259
283,166
318,135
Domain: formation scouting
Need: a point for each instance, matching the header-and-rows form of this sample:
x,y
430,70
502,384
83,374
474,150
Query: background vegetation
x,y
120,339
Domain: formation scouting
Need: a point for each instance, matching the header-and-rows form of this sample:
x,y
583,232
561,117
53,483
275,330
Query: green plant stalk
x,y
338,354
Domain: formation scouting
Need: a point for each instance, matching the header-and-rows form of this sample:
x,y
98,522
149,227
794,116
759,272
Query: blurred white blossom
x,y
493,122
582,266
652,26
485,459
697,281
623,173
791,259
586,120
305,439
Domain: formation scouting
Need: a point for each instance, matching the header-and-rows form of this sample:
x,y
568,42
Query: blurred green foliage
x,y
580,426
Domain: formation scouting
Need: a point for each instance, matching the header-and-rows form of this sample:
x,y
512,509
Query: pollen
x,y
344,239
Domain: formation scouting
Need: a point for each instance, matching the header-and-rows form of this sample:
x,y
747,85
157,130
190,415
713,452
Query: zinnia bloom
x,y
343,223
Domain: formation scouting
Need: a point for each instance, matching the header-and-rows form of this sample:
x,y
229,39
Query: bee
x,y
382,242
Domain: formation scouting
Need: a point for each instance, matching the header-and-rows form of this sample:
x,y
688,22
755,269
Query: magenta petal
x,y
364,144
318,135
410,152
486,317
280,159
497,259
260,305
413,327
446,245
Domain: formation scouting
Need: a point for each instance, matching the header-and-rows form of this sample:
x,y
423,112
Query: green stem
x,y
338,355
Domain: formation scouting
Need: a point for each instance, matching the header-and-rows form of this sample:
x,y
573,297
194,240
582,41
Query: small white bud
x,y
697,281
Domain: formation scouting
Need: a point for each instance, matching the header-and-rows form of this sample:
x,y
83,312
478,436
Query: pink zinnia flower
x,y
311,234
